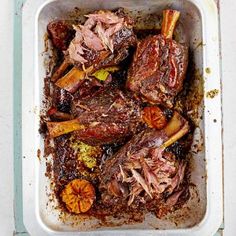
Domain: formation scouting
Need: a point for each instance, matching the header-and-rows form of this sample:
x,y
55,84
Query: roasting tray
x,y
203,214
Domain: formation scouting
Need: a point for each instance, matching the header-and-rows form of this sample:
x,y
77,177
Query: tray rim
x,y
28,7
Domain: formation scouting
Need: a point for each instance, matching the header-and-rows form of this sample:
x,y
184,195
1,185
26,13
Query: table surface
x,y
228,26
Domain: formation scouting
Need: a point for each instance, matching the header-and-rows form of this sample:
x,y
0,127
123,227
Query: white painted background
x,y
228,27
6,99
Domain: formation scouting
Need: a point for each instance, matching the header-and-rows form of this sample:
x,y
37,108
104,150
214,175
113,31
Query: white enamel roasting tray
x,y
199,20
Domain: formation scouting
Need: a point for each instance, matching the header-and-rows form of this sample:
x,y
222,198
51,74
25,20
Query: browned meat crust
x,y
158,70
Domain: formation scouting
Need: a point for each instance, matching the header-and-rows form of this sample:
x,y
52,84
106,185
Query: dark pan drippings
x,y
110,134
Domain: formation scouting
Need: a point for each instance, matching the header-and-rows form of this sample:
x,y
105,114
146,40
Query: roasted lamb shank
x,y
102,41
105,117
142,172
159,65
104,33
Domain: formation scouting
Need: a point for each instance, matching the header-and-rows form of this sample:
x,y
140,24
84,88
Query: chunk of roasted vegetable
x,y
104,73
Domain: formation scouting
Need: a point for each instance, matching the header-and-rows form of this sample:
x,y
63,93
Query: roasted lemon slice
x,y
78,195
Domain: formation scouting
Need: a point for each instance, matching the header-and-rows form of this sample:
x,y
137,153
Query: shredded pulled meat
x,y
102,34
143,172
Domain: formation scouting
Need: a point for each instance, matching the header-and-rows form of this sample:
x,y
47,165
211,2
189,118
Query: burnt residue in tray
x,y
67,165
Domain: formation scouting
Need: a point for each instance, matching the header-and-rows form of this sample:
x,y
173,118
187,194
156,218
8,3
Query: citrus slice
x,y
78,195
154,117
